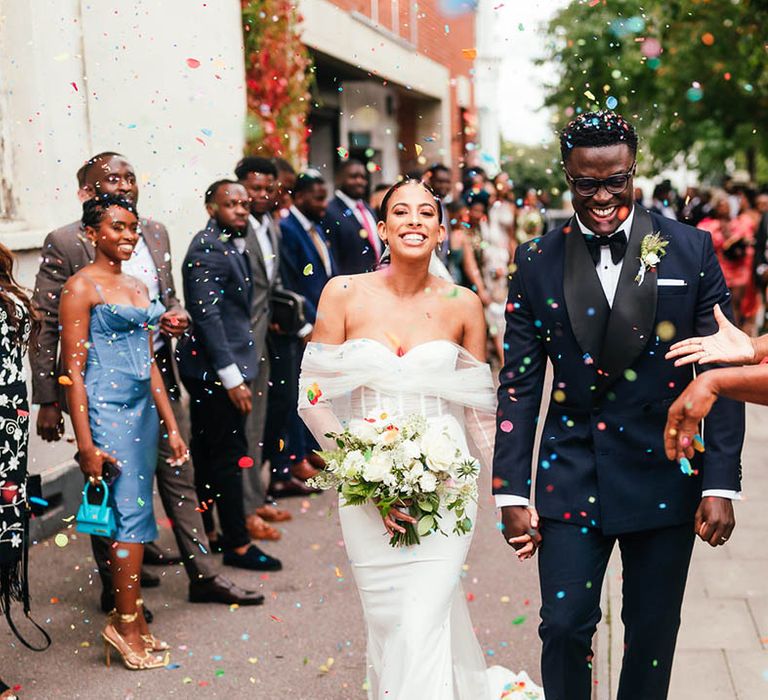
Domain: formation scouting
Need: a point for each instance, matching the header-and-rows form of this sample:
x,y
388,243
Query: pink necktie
x,y
372,238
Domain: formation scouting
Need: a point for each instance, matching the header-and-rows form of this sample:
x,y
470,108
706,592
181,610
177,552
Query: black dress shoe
x,y
291,487
221,590
156,557
108,605
149,580
253,559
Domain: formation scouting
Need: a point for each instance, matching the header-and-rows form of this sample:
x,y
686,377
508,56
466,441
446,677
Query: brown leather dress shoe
x,y
273,514
258,529
221,590
303,470
292,487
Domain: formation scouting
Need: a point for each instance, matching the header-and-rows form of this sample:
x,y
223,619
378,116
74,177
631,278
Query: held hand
x,y
241,397
729,345
50,422
685,415
179,451
715,520
174,323
390,522
521,530
92,462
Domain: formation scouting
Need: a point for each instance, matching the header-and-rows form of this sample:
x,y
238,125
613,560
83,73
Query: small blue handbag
x,y
96,518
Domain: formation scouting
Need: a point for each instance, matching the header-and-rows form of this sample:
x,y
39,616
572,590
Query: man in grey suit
x,y
259,177
64,252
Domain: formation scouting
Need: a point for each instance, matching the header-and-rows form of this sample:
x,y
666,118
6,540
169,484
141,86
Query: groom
x,y
603,302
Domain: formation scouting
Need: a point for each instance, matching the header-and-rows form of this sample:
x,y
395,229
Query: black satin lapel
x,y
634,309
584,297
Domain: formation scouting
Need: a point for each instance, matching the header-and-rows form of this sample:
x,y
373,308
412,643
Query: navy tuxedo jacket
x,y
296,252
352,252
218,290
601,461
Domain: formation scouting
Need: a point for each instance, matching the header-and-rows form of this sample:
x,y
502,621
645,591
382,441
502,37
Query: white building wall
x,y
180,127
487,74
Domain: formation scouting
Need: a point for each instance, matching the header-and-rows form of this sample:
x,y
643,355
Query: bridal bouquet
x,y
396,463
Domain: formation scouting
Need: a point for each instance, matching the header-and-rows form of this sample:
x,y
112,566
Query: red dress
x,y
737,271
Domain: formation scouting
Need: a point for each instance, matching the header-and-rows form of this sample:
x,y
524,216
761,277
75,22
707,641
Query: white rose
x,y
353,465
428,482
652,259
363,430
439,449
377,467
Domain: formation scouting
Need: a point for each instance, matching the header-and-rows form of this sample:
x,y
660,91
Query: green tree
x,y
693,74
534,167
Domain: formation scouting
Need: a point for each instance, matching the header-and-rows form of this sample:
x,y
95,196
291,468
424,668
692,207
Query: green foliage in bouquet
x,y
404,465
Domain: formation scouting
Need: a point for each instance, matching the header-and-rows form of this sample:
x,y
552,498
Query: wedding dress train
x,y
421,644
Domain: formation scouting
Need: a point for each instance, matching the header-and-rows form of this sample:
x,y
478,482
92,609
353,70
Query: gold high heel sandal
x,y
132,659
151,642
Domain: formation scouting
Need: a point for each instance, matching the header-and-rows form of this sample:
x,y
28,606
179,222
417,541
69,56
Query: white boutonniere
x,y
652,250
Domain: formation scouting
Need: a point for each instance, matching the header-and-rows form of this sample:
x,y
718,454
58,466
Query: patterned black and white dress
x,y
14,432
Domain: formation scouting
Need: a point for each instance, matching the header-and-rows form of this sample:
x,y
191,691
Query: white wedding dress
x,y
421,645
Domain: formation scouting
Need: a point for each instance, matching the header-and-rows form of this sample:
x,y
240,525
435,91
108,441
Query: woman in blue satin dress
x,y
117,399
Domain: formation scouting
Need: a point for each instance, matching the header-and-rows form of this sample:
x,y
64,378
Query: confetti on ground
x,y
193,63
61,540
519,620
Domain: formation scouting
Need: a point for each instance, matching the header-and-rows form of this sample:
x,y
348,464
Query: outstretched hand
x,y
729,345
685,415
520,530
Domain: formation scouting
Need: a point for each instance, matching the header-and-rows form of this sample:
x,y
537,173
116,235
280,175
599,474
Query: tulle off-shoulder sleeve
x,y
330,374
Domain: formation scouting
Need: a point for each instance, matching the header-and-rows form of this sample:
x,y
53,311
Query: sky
x,y
520,87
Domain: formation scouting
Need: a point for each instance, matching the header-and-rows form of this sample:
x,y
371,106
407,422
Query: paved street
x,y
307,642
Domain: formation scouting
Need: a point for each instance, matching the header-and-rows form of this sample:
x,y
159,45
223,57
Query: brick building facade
x,y
391,75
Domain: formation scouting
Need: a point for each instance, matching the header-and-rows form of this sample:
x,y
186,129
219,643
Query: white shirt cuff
x,y
305,330
505,499
722,493
230,376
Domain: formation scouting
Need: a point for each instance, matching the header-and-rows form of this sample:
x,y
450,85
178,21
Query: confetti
x,y
61,540
64,380
193,63
308,269
506,426
469,54
314,394
245,462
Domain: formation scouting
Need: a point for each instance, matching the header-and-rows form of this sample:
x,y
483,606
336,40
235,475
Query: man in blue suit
x,y
351,222
218,362
602,299
306,264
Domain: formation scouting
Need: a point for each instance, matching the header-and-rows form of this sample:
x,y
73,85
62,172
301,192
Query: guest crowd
x,y
110,343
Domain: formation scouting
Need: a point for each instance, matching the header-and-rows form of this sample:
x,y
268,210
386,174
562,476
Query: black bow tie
x,y
617,242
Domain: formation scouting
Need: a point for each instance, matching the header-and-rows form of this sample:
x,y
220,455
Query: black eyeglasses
x,y
588,186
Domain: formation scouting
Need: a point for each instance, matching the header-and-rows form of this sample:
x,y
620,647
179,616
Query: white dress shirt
x,y
265,242
314,234
142,266
608,273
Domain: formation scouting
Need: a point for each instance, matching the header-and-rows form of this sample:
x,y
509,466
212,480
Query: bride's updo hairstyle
x,y
384,208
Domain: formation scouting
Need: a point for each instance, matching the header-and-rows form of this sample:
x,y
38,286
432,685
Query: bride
x,y
401,341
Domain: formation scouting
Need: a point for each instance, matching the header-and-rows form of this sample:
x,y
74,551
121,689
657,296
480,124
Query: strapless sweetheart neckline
x,y
450,343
